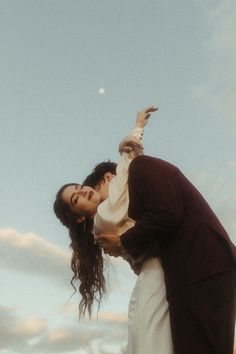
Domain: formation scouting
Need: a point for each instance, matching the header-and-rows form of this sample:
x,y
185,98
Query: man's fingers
x,y
100,243
101,238
111,252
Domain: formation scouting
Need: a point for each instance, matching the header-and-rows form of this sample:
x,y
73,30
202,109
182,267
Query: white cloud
x,y
88,334
114,317
67,339
21,335
16,333
31,254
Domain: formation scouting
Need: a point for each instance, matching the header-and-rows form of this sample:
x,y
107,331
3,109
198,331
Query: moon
x,y
101,91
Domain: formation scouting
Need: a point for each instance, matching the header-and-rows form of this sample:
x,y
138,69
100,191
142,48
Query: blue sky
x,y
55,126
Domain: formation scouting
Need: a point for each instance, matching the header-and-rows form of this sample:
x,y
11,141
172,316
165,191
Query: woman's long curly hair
x,y
87,262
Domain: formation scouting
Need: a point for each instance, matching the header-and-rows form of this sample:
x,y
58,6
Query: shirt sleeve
x,y
112,213
138,133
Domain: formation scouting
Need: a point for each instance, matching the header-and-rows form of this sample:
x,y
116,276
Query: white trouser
x,y
149,322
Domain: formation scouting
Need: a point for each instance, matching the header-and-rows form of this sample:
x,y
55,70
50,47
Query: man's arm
x,y
155,204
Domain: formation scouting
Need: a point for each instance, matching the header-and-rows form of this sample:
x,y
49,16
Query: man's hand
x,y
110,243
143,116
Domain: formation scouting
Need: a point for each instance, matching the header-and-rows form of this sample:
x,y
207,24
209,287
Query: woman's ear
x,y
98,187
80,219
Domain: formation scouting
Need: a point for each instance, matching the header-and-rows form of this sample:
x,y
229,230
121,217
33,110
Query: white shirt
x,y
112,213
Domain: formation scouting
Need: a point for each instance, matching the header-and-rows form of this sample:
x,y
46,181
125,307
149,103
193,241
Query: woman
x,y
149,327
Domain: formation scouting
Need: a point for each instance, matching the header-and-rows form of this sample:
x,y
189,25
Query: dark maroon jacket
x,y
175,223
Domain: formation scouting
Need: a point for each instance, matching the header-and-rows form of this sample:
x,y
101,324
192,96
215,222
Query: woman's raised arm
x,y
133,143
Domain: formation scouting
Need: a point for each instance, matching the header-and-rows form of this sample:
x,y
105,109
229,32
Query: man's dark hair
x,y
97,175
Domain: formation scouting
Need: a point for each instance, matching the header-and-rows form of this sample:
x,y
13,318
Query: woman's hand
x,y
131,144
143,116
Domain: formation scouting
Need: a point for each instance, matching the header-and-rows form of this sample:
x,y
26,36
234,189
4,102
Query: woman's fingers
x,y
150,109
144,115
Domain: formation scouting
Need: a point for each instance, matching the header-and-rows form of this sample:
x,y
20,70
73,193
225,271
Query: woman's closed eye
x,y
75,196
75,200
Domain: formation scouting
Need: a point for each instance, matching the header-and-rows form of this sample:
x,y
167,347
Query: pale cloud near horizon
x,y
219,91
31,254
17,332
34,334
115,317
20,335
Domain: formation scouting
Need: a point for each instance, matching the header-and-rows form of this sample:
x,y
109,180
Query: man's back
x,y
174,222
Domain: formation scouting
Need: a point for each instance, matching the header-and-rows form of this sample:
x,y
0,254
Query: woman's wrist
x,y
138,132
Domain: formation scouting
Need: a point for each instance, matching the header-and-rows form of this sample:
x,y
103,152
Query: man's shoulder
x,y
145,161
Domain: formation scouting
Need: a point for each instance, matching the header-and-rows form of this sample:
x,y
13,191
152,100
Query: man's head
x,y
75,202
100,178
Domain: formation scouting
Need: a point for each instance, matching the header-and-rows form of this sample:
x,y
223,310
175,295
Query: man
x,y
175,223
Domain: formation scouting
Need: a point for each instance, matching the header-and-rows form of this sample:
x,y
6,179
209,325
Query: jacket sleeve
x,y
156,203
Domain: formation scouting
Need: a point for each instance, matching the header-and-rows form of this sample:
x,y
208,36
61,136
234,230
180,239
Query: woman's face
x,y
81,200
